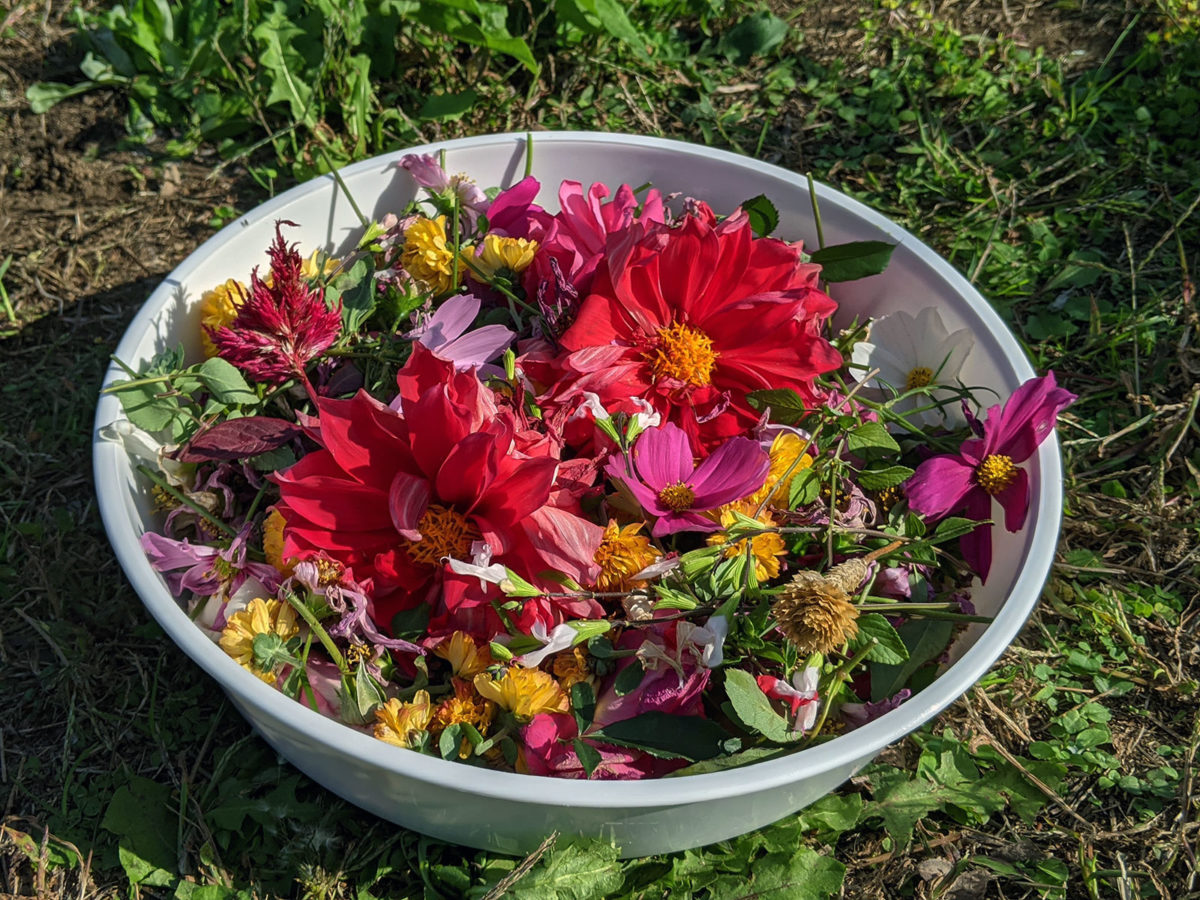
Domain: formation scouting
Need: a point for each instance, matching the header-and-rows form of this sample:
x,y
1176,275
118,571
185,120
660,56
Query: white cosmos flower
x,y
913,351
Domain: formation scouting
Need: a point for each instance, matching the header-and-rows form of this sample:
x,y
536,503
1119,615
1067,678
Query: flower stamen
x,y
919,377
995,473
445,533
682,353
677,497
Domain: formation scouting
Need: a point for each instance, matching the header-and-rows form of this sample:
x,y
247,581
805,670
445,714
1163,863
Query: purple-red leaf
x,y
238,438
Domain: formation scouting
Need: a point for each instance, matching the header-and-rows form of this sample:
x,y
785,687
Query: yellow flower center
x,y
444,532
995,473
677,497
621,555
682,353
918,378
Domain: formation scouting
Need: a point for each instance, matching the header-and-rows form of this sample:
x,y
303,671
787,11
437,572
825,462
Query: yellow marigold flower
x,y
788,451
466,707
311,268
399,723
523,692
218,308
765,548
467,659
273,543
427,255
622,553
259,617
505,253
571,667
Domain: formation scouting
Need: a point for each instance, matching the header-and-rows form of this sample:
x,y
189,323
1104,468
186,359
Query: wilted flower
x,y
814,611
801,695
523,692
467,659
622,554
401,723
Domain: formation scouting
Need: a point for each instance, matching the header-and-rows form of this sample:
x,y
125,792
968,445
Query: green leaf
x,y
356,288
629,678
926,639
735,760
43,95
901,801
890,650
878,479
753,708
224,380
660,734
951,528
140,815
411,624
764,217
787,408
792,874
589,756
857,259
583,705
283,65
576,871
870,435
609,15
447,107
804,489
755,35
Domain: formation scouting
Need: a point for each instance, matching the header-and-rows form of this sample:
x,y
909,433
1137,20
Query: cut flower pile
x,y
591,494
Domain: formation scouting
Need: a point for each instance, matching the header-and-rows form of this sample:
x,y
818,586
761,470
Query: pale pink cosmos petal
x,y
408,498
477,347
448,321
672,522
737,468
425,171
939,485
663,456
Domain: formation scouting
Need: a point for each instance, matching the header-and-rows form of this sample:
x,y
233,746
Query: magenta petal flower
x,y
206,571
668,484
446,334
986,467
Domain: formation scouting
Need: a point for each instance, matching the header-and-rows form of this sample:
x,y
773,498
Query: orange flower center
x,y
444,532
995,473
684,354
918,378
677,496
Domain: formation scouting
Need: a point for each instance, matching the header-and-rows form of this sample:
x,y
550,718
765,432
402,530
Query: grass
x,y
1063,183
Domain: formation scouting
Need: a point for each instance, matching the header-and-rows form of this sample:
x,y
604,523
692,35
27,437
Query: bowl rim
x,y
862,744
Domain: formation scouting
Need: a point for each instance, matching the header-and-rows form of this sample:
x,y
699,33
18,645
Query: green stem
x,y
812,196
841,673
319,630
528,153
188,502
141,382
337,177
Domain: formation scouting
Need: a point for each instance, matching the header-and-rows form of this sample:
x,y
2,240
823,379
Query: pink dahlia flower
x,y
986,467
283,325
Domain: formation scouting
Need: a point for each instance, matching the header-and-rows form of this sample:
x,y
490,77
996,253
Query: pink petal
x,y
407,501
663,456
1028,417
1015,501
737,468
977,545
939,485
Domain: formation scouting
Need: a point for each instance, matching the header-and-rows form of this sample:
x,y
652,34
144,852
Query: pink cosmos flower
x,y
204,570
986,467
445,333
282,326
669,485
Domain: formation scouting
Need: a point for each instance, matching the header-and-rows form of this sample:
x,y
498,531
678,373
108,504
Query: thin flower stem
x,y
140,382
337,177
528,153
319,630
841,673
812,196
161,482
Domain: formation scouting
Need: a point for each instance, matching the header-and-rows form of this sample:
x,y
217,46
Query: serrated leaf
x,y
870,435
890,649
753,708
878,479
926,639
764,217
857,259
224,380
734,760
787,407
792,874
660,734
589,756
575,871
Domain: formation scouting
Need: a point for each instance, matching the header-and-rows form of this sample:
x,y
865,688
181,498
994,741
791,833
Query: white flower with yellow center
x,y
913,352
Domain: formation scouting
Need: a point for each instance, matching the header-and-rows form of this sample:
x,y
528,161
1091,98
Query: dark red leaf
x,y
238,438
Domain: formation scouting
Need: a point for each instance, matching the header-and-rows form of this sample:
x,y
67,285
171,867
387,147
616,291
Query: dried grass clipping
x,y
814,611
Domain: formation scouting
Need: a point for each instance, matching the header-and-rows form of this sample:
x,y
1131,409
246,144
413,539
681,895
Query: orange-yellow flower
x,y
505,254
465,707
399,723
427,256
523,692
767,548
273,543
622,553
789,457
259,617
572,667
467,659
218,308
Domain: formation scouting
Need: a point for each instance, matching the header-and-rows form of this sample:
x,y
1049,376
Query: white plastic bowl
x,y
512,813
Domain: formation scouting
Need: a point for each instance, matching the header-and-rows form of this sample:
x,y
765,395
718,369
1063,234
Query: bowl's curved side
x,y
477,806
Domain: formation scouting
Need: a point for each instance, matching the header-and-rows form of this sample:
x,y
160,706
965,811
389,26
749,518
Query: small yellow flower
x,y
505,253
427,255
788,451
259,617
400,723
467,659
312,268
523,692
273,543
466,707
572,667
622,553
218,308
766,548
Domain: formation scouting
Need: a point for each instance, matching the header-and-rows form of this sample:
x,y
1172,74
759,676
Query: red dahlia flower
x,y
693,318
986,467
283,325
395,494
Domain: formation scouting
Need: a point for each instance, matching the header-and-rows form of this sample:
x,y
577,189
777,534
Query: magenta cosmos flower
x,y
283,325
987,466
668,484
